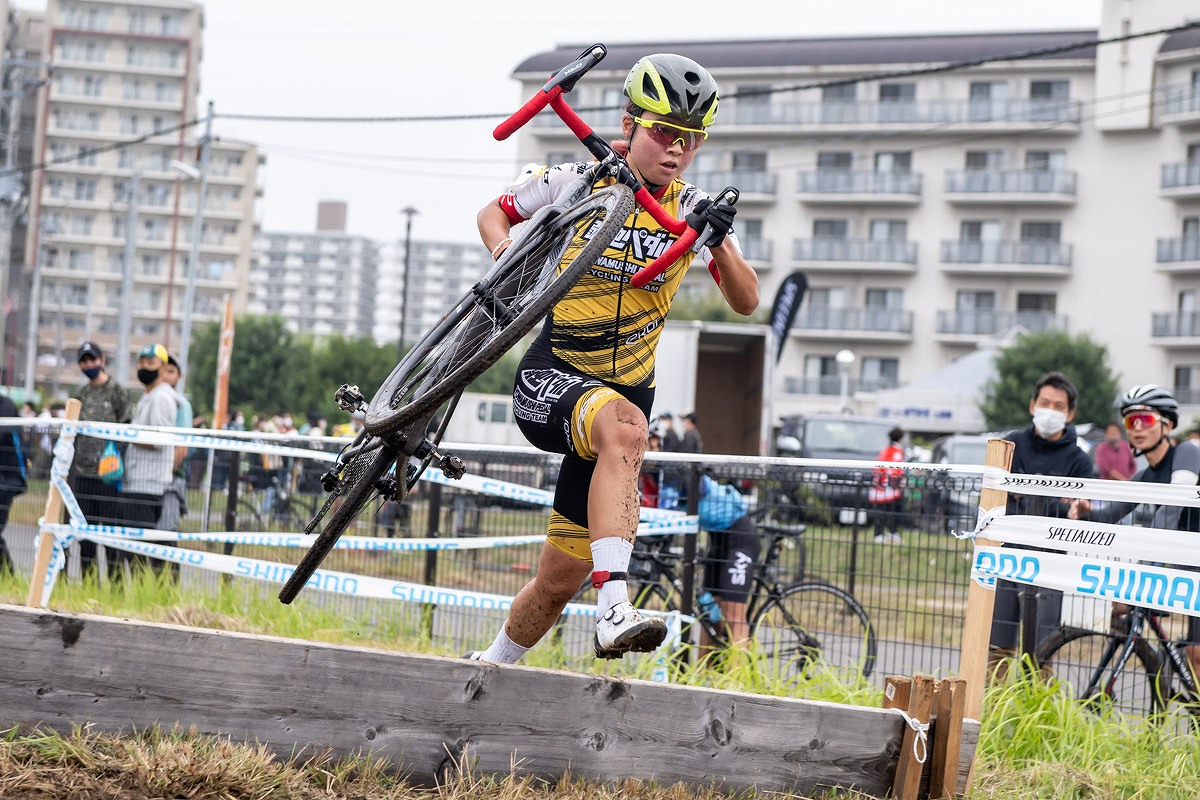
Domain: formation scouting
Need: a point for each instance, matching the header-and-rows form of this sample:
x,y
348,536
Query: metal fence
x,y
913,589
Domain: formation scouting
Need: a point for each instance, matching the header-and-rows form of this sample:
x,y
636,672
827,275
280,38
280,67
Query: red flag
x,y
224,357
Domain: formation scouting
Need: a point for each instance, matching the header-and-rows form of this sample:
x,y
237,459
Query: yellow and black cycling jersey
x,y
604,327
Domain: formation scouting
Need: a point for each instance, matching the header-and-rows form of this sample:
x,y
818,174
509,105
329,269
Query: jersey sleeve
x,y
540,189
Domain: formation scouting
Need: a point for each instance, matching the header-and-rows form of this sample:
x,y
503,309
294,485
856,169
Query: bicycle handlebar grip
x,y
663,262
525,113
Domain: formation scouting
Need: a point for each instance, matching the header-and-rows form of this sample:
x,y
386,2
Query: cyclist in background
x,y
733,552
586,386
1150,414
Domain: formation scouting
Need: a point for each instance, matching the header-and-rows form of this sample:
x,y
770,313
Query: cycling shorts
x,y
732,556
555,407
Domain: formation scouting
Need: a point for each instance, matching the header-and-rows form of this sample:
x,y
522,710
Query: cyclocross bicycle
x,y
797,626
1124,669
405,419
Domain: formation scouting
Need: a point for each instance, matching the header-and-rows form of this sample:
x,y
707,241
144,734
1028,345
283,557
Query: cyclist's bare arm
x,y
493,227
738,280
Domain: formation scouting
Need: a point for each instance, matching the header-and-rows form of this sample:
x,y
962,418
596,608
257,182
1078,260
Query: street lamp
x,y
845,360
408,212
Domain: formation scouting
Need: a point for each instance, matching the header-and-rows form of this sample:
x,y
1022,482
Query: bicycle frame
x,y
551,94
1169,651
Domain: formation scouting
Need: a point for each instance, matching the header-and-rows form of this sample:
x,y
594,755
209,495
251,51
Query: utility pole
x,y
409,212
193,267
20,77
126,319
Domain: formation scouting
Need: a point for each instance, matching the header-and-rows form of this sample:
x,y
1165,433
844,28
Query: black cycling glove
x,y
719,216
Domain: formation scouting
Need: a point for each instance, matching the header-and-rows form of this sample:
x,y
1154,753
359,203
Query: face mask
x,y
1114,442
91,373
147,376
1048,422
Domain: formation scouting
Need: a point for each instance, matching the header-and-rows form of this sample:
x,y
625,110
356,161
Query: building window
x,y
835,161
970,300
1041,231
752,104
831,228
896,162
1049,90
889,230
885,298
984,230
1046,160
879,373
978,160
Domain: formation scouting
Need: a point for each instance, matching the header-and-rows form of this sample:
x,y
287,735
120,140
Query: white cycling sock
x,y
503,650
611,554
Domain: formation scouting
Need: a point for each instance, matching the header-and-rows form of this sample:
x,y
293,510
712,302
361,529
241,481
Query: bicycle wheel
x,y
512,298
1081,661
359,484
815,623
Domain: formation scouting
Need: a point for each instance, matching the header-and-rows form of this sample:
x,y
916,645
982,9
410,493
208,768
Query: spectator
x,y
1047,447
12,476
692,441
886,495
237,422
732,554
174,501
101,399
648,482
27,433
1114,457
670,439
148,467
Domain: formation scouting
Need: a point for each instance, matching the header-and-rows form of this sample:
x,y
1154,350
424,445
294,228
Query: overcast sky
x,y
389,58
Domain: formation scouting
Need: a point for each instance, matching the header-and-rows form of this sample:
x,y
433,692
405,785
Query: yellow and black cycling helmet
x,y
674,86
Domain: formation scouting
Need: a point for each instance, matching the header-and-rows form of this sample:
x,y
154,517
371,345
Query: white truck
x,y
720,370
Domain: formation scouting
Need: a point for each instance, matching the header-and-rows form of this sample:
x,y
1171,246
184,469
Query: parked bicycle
x,y
1136,669
799,624
536,271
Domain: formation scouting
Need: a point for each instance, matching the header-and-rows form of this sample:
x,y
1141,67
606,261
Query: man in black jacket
x,y
12,475
1047,447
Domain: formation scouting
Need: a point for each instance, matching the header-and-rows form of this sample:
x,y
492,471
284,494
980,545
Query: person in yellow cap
x,y
148,467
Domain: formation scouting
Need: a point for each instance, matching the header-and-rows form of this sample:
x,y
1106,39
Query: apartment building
x,y
935,212
322,282
120,183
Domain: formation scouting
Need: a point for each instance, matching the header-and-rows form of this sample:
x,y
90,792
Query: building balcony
x,y
861,255
970,326
1025,186
1019,114
1175,329
854,324
758,251
1005,258
845,186
1181,181
754,185
831,385
1179,105
1179,255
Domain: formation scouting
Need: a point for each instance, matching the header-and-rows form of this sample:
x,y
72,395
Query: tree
x,y
1005,402
268,371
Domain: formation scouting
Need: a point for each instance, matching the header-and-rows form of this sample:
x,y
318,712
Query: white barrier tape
x,y
921,739
1146,585
187,437
1171,494
74,512
338,582
1098,539
514,491
367,543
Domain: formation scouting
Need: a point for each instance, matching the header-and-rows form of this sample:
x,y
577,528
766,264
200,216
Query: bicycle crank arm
x,y
450,465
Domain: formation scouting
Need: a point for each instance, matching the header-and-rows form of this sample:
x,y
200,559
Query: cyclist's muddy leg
x,y
618,439
537,606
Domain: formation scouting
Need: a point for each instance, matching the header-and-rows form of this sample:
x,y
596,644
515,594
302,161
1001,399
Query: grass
x,y
1035,742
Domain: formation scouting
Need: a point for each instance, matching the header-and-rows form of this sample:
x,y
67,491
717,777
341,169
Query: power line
x,y
1020,55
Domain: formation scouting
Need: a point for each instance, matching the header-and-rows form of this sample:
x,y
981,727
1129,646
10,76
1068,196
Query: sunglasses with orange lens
x,y
667,133
1141,419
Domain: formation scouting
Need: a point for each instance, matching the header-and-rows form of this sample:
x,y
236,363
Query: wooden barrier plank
x,y
422,712
52,513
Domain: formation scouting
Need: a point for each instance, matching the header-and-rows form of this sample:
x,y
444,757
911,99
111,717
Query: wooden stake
x,y
53,513
977,627
949,701
907,785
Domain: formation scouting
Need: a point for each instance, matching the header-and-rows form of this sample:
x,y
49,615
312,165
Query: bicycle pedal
x,y
452,467
349,397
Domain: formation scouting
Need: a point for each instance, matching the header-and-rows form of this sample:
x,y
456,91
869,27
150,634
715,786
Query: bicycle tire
x,y
812,624
1073,656
359,488
516,295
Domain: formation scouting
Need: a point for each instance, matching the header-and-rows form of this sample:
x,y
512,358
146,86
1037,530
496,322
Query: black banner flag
x,y
783,310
